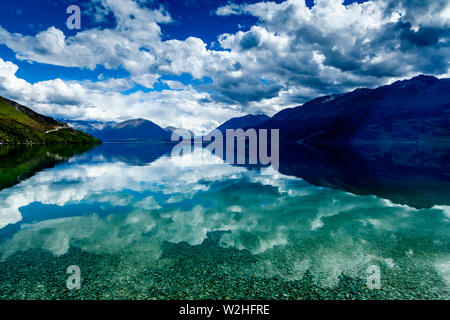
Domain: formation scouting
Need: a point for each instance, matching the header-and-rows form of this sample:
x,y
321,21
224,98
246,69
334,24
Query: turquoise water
x,y
141,224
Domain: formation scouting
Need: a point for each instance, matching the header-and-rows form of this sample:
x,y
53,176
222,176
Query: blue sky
x,y
196,63
191,18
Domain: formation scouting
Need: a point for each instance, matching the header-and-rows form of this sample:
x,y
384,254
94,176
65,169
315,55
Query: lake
x,y
366,222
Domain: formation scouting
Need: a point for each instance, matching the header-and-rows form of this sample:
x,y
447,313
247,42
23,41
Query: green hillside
x,y
19,124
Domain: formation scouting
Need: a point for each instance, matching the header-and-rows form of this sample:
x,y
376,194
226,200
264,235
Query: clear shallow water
x,y
143,225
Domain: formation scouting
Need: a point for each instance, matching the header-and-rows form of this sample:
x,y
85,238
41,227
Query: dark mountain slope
x,y
411,110
245,122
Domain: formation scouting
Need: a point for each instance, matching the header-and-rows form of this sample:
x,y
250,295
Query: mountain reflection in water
x,y
144,224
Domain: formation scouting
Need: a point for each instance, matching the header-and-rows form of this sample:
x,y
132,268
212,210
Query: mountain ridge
x,y
417,109
243,122
21,125
130,130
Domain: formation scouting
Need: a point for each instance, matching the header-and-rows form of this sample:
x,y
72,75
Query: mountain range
x,y
136,129
411,110
146,130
